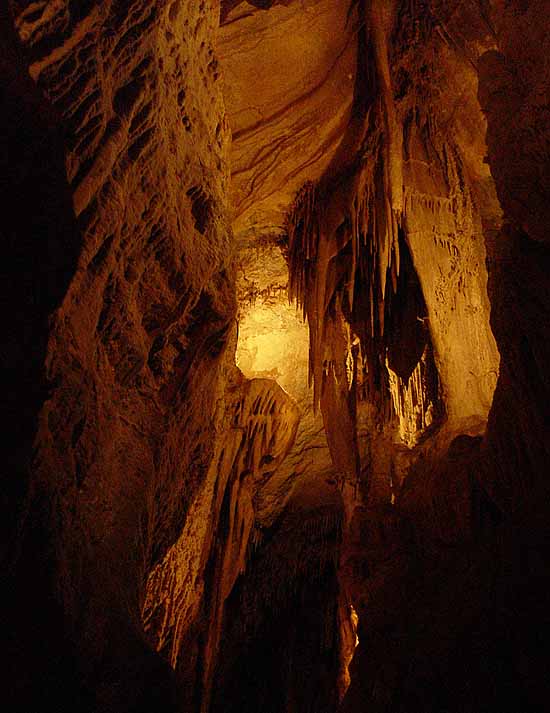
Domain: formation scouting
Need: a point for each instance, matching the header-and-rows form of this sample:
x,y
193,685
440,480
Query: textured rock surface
x,y
289,74
519,155
282,639
451,618
134,350
273,341
188,589
399,217
180,536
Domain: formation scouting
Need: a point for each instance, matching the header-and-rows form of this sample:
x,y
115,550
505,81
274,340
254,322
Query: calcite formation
x,y
275,277
197,574
273,342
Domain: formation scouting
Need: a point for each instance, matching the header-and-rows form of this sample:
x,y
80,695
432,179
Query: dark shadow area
x,y
280,647
39,243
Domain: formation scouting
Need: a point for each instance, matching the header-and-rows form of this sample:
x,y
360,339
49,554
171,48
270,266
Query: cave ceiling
x,y
289,74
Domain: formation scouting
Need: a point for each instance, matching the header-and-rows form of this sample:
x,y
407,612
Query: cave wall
x,y
123,176
512,86
38,241
273,342
449,583
454,204
152,455
147,508
280,648
184,609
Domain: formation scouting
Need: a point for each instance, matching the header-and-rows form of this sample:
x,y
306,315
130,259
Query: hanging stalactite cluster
x,y
344,238
345,245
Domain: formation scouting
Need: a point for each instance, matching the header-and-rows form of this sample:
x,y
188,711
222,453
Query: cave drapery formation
x,y
276,362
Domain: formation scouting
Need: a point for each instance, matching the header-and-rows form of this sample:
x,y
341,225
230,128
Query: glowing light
x,y
273,343
411,404
354,618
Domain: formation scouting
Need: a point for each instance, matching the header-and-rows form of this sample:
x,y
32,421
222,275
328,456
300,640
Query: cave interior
x,y
276,364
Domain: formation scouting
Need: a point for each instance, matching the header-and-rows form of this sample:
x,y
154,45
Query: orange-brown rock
x,y
289,74
350,201
273,341
138,328
188,588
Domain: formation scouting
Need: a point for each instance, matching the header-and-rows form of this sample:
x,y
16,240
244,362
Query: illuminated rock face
x,y
273,337
423,188
185,535
445,576
289,75
196,576
132,374
273,341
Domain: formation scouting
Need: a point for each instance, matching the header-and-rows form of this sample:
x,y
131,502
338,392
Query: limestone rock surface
x,y
137,334
289,74
351,200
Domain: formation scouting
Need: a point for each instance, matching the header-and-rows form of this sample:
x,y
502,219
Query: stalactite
x,y
415,402
356,213
346,236
382,15
343,243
